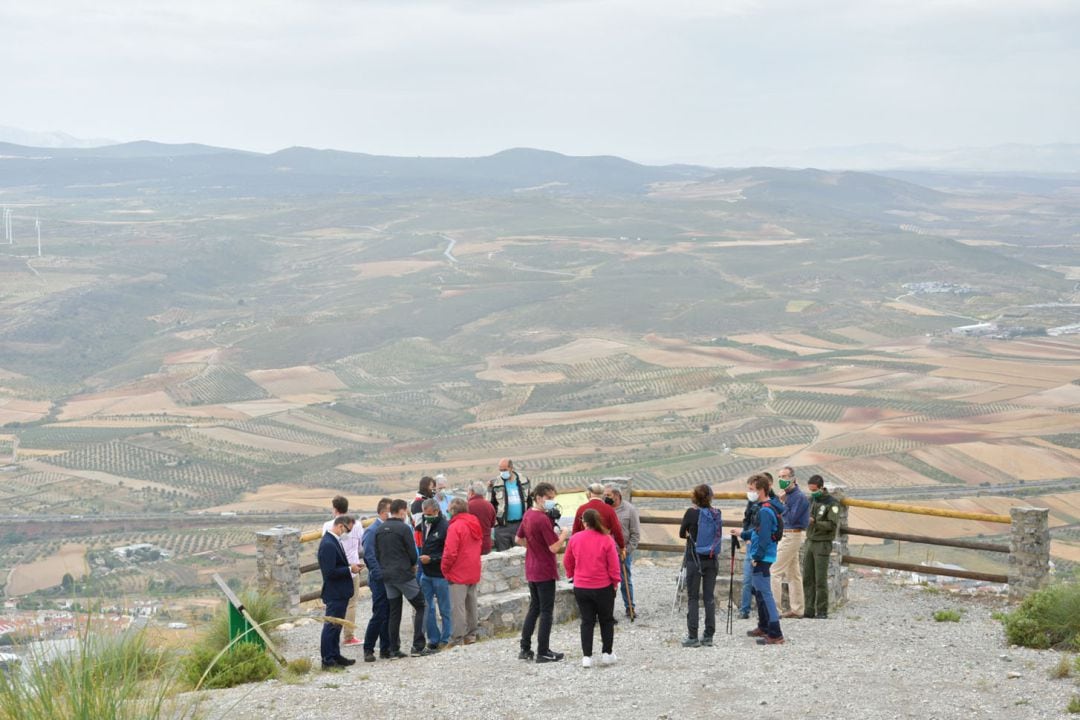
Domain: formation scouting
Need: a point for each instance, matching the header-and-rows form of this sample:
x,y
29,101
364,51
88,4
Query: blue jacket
x,y
750,515
371,561
762,546
797,512
337,577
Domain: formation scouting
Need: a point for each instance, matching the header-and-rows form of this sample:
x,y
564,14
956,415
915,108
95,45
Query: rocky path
x,y
881,657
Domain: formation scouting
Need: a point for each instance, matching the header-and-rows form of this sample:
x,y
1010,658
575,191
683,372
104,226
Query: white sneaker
x,y
608,659
586,661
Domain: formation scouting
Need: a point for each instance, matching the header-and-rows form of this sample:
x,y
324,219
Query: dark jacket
x,y
434,535
824,520
485,513
395,551
336,575
498,496
371,560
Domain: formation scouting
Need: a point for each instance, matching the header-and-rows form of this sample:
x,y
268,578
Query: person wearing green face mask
x,y
787,567
824,522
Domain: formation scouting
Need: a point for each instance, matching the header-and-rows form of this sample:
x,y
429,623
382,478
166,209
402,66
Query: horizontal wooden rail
x,y
654,520
944,542
925,569
317,594
920,510
661,547
313,535
310,567
683,495
850,502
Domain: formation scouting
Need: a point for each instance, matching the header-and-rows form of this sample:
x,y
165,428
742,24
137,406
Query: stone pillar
x,y
277,565
1029,551
838,572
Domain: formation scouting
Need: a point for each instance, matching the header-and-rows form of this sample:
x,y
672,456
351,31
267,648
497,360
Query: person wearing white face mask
x,y
762,552
509,495
542,545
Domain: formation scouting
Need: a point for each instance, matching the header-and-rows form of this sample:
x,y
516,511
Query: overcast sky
x,y
653,80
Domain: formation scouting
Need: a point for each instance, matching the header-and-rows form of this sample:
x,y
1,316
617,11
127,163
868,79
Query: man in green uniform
x,y
824,521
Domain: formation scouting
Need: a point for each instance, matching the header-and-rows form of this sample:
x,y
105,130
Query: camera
x,y
554,513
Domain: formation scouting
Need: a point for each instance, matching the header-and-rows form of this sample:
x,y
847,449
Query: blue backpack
x,y
710,532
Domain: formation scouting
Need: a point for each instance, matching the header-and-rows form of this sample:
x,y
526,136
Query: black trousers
x,y
542,606
419,608
700,578
596,605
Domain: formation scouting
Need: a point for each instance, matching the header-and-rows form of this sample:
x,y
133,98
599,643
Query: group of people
x,y
429,558
428,554
774,528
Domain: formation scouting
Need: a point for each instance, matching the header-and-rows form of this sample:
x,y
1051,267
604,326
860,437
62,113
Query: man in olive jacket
x,y
824,522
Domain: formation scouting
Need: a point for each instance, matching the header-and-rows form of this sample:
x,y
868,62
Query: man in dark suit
x,y
337,589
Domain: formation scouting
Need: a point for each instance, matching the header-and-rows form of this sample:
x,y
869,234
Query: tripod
x,y
731,587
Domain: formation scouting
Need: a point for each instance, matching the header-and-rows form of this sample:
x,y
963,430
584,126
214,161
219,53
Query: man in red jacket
x,y
484,511
608,518
461,567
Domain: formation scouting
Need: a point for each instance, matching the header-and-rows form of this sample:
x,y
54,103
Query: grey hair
x,y
596,489
430,504
614,490
479,488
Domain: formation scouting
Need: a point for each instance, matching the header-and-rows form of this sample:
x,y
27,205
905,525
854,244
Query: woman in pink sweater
x,y
592,562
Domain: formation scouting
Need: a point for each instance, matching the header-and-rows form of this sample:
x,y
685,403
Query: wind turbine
x,y
7,227
37,226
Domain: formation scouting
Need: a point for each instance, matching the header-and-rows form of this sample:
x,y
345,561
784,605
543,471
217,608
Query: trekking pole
x,y
731,587
679,586
626,589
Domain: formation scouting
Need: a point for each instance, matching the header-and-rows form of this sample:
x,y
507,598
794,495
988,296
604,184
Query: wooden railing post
x,y
1029,551
277,565
838,572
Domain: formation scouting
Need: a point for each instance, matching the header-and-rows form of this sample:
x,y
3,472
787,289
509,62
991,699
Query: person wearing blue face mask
x,y
509,495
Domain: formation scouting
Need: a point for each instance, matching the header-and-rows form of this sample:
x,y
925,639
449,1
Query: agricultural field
x,y
260,354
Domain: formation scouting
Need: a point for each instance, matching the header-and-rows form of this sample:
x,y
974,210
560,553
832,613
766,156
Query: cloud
x,y
636,77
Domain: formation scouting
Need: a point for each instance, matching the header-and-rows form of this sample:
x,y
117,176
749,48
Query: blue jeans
x,y
330,642
627,587
439,589
768,617
378,627
747,590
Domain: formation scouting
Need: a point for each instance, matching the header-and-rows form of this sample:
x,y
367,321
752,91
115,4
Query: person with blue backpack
x,y
703,530
765,532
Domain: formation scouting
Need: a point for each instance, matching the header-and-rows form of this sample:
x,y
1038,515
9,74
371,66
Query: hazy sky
x,y
647,79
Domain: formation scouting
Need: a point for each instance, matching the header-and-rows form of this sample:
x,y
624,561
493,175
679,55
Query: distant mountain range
x,y
142,167
48,139
1011,158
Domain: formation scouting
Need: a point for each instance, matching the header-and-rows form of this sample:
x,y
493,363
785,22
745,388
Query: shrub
x,y
243,663
1049,618
1074,704
102,678
1063,669
210,665
947,616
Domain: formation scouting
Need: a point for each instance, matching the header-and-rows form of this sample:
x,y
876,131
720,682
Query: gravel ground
x,y
881,657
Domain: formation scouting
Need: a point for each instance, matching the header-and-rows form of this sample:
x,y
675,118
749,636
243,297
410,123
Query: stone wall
x,y
503,594
1029,551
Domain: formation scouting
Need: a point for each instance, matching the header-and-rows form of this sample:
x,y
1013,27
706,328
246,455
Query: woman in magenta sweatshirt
x,y
592,562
